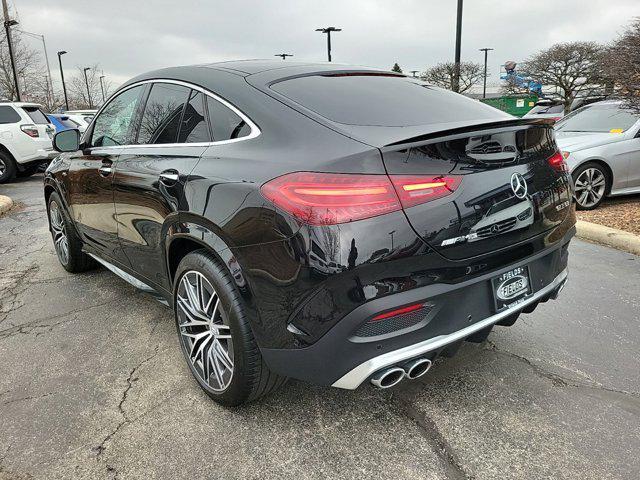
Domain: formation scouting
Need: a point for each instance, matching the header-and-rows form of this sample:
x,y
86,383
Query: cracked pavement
x,y
92,385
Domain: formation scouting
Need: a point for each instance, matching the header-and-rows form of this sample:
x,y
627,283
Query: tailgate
x,y
508,193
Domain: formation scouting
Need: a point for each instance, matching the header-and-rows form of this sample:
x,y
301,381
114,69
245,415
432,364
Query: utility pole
x,y
102,88
283,55
46,58
456,69
413,72
328,31
64,87
86,80
484,86
8,23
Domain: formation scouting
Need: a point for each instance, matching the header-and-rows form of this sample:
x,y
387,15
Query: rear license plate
x,y
511,288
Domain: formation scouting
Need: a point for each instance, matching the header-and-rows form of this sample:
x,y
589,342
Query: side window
x,y
113,125
162,113
8,115
194,127
225,123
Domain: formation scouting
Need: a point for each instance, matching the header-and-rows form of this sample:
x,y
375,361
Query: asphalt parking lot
x,y
92,385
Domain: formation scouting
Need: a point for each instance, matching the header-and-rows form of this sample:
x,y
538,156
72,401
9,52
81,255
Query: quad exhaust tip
x,y
417,368
388,378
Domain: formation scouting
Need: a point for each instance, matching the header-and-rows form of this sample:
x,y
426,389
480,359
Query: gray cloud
x,y
130,37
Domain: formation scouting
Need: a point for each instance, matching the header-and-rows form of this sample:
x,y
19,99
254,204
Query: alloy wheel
x,y
59,233
3,167
204,331
590,187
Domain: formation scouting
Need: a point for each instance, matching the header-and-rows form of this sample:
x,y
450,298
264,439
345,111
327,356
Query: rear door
x,y
509,190
151,175
90,176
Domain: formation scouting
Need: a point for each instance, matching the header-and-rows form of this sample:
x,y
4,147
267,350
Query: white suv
x,y
25,139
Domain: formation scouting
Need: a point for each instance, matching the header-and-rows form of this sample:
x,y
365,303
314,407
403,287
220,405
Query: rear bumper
x,y
39,155
341,359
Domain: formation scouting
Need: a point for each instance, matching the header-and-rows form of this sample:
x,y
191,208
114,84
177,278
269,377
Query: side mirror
x,y
67,140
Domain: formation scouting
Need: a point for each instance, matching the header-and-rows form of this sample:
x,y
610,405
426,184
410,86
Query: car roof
x,y
22,104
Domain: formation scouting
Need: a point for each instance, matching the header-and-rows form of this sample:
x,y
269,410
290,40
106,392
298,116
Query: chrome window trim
x,y
255,131
352,379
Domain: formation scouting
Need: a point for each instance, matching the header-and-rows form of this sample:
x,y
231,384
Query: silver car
x,y
601,145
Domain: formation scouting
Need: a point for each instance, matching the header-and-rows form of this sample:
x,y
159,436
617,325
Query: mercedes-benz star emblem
x,y
518,185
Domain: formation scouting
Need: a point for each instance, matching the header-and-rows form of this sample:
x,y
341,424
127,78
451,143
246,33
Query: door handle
x,y
169,177
105,170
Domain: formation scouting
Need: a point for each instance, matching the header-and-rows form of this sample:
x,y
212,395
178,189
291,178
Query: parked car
x,y
62,122
206,185
25,139
546,108
601,145
80,122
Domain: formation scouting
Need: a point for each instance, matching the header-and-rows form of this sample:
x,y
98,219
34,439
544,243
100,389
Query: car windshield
x,y
377,99
540,109
598,118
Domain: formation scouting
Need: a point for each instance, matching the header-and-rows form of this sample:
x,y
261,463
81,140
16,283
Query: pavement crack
x,y
454,468
559,380
30,397
131,379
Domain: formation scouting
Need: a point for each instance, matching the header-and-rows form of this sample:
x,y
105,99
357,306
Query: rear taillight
x,y
332,198
414,190
30,130
557,162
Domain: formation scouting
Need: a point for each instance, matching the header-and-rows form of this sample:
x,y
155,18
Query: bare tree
x,y
621,64
442,75
31,71
77,88
572,67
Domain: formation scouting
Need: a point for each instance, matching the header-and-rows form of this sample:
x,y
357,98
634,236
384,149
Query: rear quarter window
x,y
382,100
8,115
36,115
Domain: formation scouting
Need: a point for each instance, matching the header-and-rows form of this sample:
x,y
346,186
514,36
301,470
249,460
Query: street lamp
x,y
102,88
64,87
7,27
86,80
46,58
484,87
456,69
328,31
283,55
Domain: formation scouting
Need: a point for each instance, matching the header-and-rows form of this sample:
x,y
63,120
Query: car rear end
x,y
35,137
467,225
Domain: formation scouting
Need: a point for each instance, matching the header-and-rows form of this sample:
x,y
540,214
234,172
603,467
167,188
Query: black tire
x,y
8,168
588,204
75,260
29,170
250,378
480,336
509,321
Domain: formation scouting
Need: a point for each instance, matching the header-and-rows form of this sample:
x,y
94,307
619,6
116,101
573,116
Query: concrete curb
x,y
612,237
5,204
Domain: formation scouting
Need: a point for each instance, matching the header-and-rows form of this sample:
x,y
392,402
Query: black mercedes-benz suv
x,y
329,223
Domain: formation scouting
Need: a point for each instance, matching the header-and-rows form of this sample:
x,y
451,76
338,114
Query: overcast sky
x,y
128,37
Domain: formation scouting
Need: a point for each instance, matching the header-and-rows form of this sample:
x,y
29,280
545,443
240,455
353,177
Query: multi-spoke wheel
x,y
591,183
204,331
58,232
215,336
66,241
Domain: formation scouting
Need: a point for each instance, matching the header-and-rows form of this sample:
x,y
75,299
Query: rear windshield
x,y
540,109
382,100
609,118
67,122
36,115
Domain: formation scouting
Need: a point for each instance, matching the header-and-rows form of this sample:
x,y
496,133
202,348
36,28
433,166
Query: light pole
x,y
64,87
484,86
46,58
102,88
86,80
283,55
8,23
456,69
328,31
